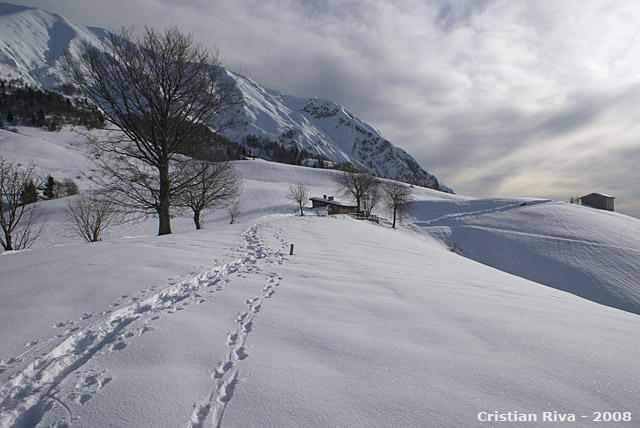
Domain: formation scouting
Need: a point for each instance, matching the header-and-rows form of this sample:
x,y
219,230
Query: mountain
x,y
326,130
33,40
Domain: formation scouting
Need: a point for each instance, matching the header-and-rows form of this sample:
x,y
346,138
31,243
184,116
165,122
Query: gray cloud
x,y
496,97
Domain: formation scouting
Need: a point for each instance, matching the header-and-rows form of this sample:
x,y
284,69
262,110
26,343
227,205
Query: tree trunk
x,y
164,203
7,241
394,217
196,219
301,211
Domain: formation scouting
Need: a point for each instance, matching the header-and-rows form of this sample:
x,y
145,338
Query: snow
x,y
32,41
588,252
362,326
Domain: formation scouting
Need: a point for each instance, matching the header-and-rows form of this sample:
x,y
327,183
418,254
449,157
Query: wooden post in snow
x,y
291,250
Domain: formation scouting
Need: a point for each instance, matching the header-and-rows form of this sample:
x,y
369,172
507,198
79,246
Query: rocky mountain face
x,y
314,131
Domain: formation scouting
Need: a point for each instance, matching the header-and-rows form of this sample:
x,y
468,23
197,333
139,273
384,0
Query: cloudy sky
x,y
495,97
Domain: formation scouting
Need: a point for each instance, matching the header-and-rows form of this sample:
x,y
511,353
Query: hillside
x,y
362,326
588,252
32,42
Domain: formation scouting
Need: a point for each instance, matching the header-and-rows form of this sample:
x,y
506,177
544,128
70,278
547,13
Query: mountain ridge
x,y
33,40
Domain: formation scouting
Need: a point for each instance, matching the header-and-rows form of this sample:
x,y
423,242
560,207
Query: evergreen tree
x,y
29,193
49,188
41,117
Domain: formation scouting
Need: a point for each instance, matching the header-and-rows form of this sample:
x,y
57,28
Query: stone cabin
x,y
598,200
334,207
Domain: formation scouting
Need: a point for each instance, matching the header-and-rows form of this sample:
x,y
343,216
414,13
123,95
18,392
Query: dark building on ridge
x,y
598,200
334,207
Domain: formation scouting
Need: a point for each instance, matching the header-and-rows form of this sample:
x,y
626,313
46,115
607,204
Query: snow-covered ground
x,y
362,326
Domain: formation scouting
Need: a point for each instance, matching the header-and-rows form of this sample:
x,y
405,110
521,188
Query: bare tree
x,y
69,187
356,183
397,200
90,215
298,193
16,219
213,185
371,199
159,90
233,209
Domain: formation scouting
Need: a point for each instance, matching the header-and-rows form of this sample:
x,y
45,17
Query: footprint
x,y
222,369
232,338
145,328
104,382
62,324
247,327
83,398
228,391
240,353
87,380
118,346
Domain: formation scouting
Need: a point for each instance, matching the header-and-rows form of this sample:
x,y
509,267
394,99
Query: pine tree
x,y
29,193
41,117
49,188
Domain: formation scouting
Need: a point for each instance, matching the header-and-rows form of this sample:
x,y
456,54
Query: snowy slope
x,y
588,252
362,326
32,42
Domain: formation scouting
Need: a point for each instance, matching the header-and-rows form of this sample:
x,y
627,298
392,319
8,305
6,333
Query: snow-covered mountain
x,y
33,40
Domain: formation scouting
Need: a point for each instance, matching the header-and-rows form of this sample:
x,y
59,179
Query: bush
x,y
91,215
457,249
70,188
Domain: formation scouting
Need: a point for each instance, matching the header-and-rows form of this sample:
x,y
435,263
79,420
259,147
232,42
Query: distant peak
x,y
10,9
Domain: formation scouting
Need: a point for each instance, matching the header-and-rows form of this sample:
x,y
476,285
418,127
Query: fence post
x,y
291,250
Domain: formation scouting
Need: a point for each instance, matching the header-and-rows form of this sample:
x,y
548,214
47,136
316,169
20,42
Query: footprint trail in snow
x,y
225,375
36,385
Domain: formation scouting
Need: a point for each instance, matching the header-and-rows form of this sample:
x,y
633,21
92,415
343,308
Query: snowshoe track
x,y
32,389
225,375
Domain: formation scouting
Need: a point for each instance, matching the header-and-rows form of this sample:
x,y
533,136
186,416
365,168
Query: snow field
x,y
409,335
591,253
362,326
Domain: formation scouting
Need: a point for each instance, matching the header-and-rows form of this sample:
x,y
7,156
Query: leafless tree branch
x,y
17,220
91,214
397,200
298,193
160,91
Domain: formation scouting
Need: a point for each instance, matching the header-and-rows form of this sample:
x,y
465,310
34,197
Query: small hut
x,y
334,206
598,200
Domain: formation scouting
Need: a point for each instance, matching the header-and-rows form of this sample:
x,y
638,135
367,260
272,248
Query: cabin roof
x,y
332,202
598,194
